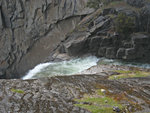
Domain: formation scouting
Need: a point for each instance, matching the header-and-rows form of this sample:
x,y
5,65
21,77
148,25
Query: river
x,y
74,66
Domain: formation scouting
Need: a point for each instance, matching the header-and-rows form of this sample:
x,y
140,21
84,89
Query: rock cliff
x,y
100,35
31,29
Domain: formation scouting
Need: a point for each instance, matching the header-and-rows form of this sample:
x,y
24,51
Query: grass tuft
x,y
128,74
17,91
98,103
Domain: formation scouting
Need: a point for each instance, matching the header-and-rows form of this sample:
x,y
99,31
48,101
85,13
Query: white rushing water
x,y
70,67
123,63
74,66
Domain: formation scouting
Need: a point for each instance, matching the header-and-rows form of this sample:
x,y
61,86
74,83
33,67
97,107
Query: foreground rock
x,y
57,94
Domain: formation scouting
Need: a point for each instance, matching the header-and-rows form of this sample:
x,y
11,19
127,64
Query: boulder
x,y
77,48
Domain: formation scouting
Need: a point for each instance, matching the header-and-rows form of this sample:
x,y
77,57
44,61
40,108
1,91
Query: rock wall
x,y
31,29
96,34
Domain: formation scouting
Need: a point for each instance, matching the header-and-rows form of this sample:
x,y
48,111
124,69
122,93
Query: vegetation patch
x,y
99,103
107,101
125,24
129,74
17,91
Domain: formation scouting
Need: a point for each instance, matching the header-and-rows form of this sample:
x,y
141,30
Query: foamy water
x,y
74,66
35,70
70,67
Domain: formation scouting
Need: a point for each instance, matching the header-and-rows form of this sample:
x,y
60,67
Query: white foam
x,y
35,70
70,67
74,66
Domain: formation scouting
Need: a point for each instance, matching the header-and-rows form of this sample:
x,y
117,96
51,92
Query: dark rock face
x,y
120,53
111,52
136,3
31,29
99,37
145,18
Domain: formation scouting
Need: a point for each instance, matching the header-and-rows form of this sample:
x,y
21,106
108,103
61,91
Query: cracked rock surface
x,y
57,94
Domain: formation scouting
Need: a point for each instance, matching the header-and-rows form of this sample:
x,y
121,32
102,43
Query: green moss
x,y
111,15
129,74
98,103
93,4
123,71
17,91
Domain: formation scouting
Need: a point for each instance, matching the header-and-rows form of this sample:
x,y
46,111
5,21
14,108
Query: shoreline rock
x,y
57,94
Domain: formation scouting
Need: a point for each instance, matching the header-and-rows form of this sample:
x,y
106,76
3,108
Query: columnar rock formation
x,y
96,34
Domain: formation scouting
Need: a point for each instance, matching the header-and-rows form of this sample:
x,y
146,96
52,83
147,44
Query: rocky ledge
x,y
64,93
119,30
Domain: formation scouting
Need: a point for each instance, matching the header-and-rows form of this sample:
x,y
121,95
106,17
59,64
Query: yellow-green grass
x,y
17,91
129,74
98,103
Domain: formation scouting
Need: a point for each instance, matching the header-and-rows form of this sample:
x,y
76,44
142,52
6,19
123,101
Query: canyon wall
x,y
31,29
119,30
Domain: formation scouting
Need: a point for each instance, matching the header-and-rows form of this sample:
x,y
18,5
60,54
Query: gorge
x,y
74,56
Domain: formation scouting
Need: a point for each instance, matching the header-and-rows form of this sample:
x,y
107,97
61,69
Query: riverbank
x,y
67,93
